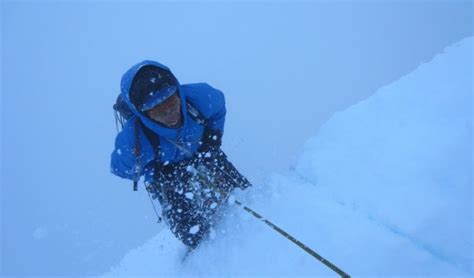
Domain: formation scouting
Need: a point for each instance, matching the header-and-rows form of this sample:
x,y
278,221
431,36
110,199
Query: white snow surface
x,y
384,188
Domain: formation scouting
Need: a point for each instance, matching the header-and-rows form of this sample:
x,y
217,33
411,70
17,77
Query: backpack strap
x,y
153,138
195,114
137,152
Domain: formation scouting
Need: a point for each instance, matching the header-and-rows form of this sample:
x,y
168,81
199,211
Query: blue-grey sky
x,y
284,67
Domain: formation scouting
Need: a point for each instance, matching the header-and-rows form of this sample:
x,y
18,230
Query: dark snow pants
x,y
192,194
190,205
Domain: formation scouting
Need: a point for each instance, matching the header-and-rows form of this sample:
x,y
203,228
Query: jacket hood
x,y
125,86
127,78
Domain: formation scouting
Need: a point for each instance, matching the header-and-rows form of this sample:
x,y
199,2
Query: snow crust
x,y
384,188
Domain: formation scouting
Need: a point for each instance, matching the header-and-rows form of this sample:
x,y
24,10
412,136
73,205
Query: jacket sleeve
x,y
124,163
216,118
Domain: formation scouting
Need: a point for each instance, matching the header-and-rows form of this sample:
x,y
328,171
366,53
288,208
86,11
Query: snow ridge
x,y
385,188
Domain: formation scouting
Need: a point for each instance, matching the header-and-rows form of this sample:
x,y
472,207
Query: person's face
x,y
167,113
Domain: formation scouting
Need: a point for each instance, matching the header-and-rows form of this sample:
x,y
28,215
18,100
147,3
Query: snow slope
x,y
385,188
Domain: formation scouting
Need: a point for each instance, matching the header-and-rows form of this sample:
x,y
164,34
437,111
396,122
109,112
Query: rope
x,y
275,227
294,240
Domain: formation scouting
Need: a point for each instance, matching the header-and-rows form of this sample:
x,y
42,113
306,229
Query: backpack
x,y
122,112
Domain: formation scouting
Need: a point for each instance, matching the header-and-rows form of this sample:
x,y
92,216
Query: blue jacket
x,y
211,105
